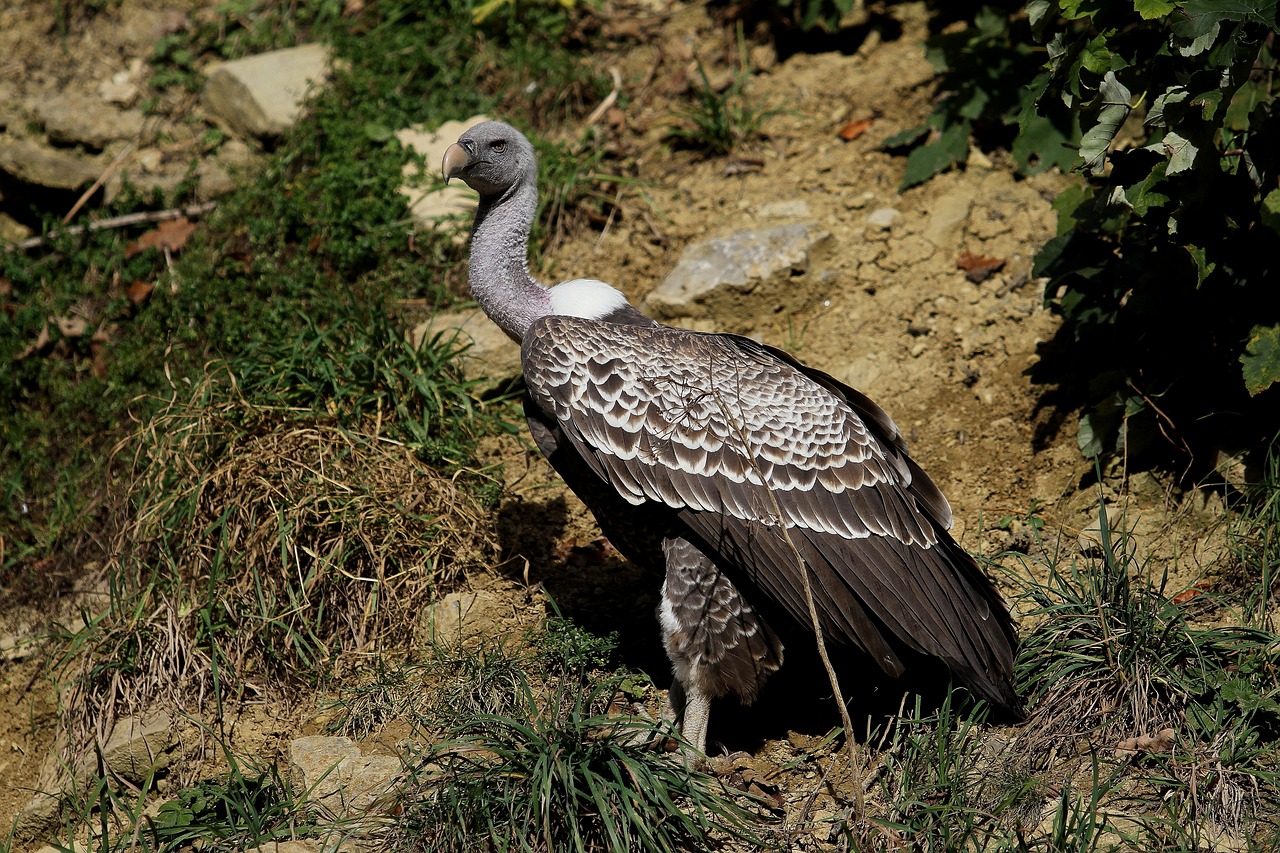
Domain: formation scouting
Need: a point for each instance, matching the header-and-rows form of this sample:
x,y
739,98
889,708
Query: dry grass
x,y
262,544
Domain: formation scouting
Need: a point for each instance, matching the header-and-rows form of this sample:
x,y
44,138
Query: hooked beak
x,y
456,158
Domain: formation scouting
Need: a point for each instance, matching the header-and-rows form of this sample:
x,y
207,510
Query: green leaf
x,y
1252,11
1204,266
1180,151
1040,146
1260,361
904,138
1152,9
1096,140
1092,436
1271,210
951,147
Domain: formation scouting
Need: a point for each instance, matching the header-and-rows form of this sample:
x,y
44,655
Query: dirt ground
x,y
898,318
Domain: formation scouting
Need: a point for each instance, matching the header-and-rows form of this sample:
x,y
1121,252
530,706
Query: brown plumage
x,y
729,466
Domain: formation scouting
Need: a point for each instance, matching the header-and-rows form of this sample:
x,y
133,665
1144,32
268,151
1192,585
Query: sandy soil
x,y
947,357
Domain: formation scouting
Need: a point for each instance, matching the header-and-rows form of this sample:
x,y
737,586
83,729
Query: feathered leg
x,y
716,642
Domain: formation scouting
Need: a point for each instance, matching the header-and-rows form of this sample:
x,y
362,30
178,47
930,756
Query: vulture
x,y
731,468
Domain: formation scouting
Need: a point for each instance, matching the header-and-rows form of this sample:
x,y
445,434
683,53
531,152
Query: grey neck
x,y
499,272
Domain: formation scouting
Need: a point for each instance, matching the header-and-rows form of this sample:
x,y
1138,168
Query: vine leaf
x,y
951,147
1261,359
1152,9
1094,144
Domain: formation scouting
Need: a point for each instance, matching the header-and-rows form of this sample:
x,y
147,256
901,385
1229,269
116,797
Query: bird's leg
x,y
693,719
716,642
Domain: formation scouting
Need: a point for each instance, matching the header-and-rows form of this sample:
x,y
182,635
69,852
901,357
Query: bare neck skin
x,y
499,274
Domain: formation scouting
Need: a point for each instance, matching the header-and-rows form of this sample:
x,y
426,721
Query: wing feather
x,y
737,438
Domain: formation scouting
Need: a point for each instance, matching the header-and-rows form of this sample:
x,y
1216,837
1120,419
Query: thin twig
x,y
609,99
116,222
102,179
855,764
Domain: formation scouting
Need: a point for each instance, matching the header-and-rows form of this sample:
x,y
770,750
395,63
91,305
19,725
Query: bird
x,y
739,474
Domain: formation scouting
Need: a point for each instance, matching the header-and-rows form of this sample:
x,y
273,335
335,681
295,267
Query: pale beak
x,y
456,159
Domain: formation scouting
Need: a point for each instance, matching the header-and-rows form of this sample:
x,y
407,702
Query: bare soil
x,y
946,356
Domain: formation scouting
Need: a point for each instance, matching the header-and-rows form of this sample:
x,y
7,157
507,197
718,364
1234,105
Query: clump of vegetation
x,y
558,774
721,121
1113,656
1169,110
262,543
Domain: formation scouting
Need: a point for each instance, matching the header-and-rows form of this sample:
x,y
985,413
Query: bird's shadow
x,y
604,594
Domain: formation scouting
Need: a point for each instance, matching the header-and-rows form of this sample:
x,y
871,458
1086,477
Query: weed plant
x,y
719,122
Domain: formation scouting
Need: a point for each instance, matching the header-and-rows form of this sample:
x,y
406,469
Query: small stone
x,y
77,119
338,776
858,202
947,218
34,163
713,277
883,218
262,95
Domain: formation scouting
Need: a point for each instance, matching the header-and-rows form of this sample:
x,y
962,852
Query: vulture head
x,y
491,158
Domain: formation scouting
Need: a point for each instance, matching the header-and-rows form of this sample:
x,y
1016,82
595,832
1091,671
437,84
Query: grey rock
x,y
465,615
883,218
262,95
79,119
491,358
35,163
138,747
339,777
774,268
429,201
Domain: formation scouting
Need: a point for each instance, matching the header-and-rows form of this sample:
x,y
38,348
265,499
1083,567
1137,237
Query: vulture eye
x,y
499,145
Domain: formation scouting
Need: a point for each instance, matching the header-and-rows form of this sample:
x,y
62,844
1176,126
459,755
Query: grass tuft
x,y
558,775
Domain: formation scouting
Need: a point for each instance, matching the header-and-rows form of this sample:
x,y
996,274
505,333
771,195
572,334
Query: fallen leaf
x,y
6,287
591,554
139,291
1194,591
99,365
171,234
855,128
978,268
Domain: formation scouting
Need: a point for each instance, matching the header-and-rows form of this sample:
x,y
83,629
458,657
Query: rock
x,y
947,218
338,776
262,95
218,174
491,359
138,747
771,265
34,163
78,119
428,201
465,615
862,372
883,218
